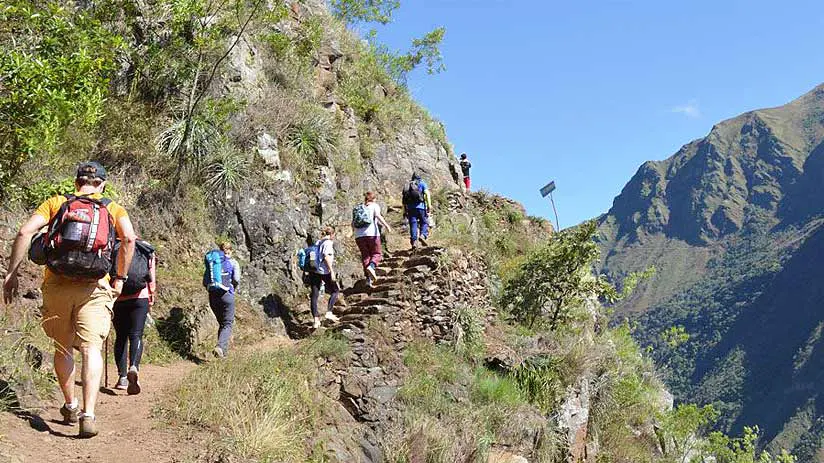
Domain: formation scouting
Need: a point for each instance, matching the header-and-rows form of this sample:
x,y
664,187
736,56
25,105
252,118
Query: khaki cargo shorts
x,y
77,313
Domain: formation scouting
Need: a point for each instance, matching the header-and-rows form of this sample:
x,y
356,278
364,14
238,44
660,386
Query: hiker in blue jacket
x,y
417,209
222,292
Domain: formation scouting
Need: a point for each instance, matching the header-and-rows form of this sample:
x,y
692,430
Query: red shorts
x,y
370,250
466,182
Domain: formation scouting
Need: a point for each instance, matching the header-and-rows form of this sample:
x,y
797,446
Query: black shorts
x,y
315,279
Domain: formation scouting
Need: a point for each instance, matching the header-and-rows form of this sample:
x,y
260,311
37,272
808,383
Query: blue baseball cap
x,y
91,169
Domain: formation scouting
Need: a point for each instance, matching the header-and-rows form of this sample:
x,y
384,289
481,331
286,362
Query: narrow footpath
x,y
128,433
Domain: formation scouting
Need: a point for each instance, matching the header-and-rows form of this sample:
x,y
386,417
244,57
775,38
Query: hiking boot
x,y
370,271
218,352
331,317
134,384
69,414
122,383
88,427
316,323
414,245
423,239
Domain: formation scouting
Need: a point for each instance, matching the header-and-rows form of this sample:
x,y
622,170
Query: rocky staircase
x,y
413,300
389,298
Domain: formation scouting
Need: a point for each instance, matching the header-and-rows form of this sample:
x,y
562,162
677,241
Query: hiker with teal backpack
x,y
130,312
221,277
304,254
417,209
319,264
366,220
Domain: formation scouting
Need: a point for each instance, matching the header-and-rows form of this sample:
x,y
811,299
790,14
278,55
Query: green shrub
x,y
20,363
468,324
55,70
279,43
310,36
554,281
311,138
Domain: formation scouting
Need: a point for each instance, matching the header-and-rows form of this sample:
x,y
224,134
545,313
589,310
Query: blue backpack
x,y
308,258
218,270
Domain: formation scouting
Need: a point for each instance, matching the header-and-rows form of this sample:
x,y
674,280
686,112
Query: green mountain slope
x,y
731,224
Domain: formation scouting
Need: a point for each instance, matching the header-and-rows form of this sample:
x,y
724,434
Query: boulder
x,y
268,150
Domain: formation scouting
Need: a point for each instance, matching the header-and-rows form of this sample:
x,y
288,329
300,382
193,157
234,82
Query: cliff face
x,y
730,222
285,101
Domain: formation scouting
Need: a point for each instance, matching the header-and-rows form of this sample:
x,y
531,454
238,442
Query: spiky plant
x,y
188,151
226,170
311,138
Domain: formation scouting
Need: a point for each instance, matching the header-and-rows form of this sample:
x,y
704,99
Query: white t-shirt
x,y
370,230
326,247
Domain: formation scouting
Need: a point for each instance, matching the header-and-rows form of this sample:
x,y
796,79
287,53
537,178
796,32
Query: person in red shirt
x,y
465,166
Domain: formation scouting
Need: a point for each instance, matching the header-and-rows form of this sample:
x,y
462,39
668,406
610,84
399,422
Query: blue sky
x,y
584,92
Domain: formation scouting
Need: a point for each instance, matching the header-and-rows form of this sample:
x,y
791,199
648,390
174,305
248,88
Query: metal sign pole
x,y
547,191
557,223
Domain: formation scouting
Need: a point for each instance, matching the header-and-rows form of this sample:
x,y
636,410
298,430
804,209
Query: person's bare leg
x,y
92,373
64,369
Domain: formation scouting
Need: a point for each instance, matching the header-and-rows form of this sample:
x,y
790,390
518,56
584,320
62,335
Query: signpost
x,y
547,191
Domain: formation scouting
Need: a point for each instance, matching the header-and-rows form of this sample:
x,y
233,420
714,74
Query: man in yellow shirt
x,y
76,312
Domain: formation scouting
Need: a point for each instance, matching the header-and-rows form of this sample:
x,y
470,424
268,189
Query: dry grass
x,y
261,406
22,344
456,411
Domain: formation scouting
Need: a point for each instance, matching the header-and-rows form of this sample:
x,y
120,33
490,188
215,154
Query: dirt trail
x,y
128,434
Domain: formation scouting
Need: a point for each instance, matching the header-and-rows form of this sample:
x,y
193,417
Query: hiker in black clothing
x,y
130,312
465,166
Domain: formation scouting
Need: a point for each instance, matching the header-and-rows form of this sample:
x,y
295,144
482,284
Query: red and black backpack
x,y
80,238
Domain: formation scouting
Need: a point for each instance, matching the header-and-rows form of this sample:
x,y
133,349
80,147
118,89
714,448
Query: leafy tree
x,y
367,11
556,279
205,26
54,72
674,336
681,429
424,50
724,449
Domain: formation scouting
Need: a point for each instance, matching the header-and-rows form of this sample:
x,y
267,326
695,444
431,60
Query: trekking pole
x,y
106,362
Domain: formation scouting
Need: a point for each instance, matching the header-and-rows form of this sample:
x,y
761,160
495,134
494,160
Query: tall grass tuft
x,y
20,361
262,406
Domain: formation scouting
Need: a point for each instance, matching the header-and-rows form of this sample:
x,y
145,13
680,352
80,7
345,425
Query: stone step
x,y
386,294
417,261
389,272
355,297
357,294
393,262
373,301
417,270
359,310
389,280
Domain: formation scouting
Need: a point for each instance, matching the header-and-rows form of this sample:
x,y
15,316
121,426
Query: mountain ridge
x,y
731,223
